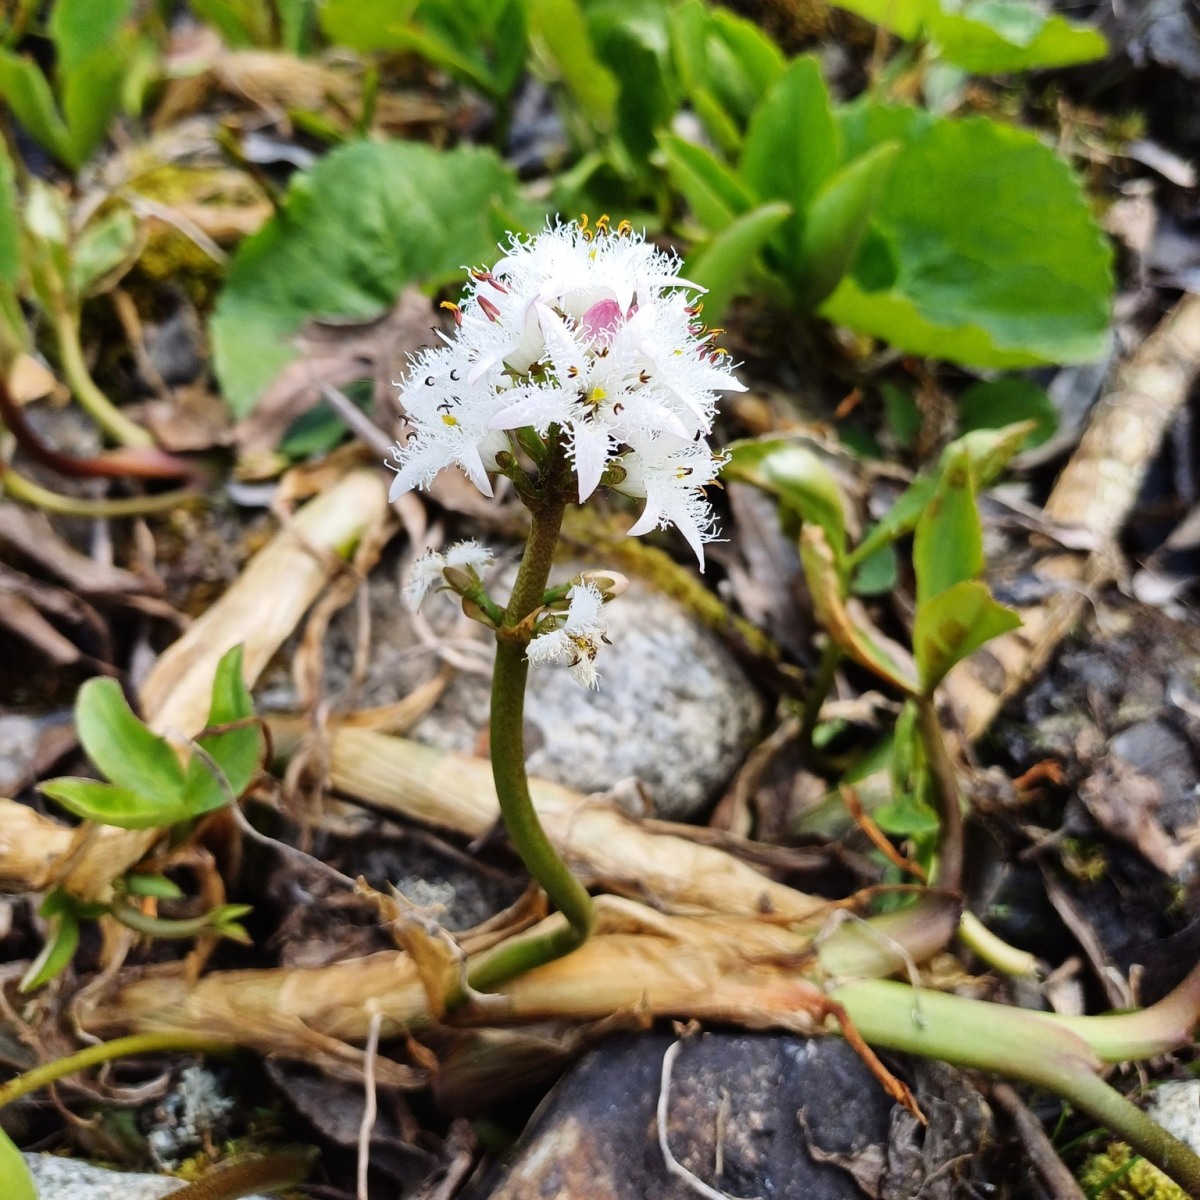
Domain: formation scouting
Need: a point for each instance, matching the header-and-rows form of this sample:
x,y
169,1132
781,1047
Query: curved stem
x,y
945,788
20,488
98,406
93,1056
528,837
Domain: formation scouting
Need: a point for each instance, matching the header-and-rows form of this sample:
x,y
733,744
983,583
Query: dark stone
x,y
794,1119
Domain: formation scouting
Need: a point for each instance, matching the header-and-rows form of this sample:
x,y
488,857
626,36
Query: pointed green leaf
x,y
953,625
125,749
948,545
722,264
28,94
846,621
713,191
835,223
108,804
18,1182
62,940
157,886
91,97
79,27
238,752
560,28
802,482
792,144
993,37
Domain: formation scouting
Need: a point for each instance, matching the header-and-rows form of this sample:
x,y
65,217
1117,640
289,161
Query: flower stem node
x,y
572,639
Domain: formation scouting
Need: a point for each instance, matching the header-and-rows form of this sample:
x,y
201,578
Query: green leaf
x,y
158,886
242,24
968,212
62,940
988,452
125,749
1002,402
80,27
792,145
845,620
954,624
237,752
560,29
948,546
91,96
876,574
17,1179
835,224
987,37
713,191
803,484
723,263
10,223
28,93
109,804
104,251
997,36
367,220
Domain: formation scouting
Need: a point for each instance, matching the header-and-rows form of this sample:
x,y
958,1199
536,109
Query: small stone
x,y
1176,1107
674,710
71,1179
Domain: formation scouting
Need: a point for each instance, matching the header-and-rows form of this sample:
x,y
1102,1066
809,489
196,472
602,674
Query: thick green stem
x,y
93,1056
91,398
945,789
525,831
1035,1048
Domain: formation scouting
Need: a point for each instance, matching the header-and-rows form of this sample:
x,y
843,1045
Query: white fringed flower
x,y
592,332
428,570
574,640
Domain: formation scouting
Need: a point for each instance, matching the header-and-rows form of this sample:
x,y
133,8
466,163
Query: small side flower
x,y
573,640
430,569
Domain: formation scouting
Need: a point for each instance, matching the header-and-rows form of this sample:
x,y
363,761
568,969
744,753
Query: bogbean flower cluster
x,y
587,337
591,331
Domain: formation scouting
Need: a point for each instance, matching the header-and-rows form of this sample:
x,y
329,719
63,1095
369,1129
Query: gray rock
x,y
70,1179
748,1115
674,710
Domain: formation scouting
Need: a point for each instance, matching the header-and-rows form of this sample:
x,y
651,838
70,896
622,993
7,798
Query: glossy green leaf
x,y
559,28
987,37
948,544
157,886
995,403
28,95
125,749
108,804
845,620
988,451
792,144
991,37
803,484
80,27
368,219
835,224
237,753
104,251
18,1182
954,624
91,96
975,278
62,940
10,222
723,263
713,191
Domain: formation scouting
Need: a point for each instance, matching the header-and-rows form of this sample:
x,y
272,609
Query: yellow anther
x,y
449,419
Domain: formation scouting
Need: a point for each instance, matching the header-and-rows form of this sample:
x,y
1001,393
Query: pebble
x,y
70,1179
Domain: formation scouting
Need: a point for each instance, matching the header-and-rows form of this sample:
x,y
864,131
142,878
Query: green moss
x,y
1119,1174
